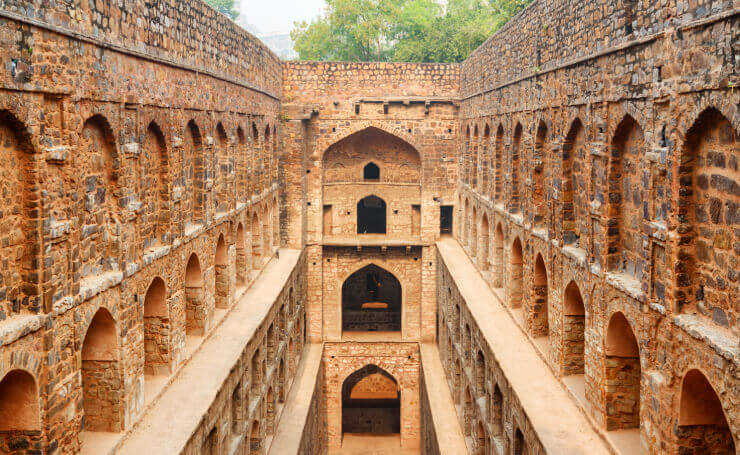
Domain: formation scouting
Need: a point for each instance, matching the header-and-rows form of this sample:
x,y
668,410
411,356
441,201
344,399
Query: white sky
x,y
277,16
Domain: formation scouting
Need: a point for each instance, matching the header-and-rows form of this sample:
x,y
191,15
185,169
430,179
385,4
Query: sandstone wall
x,y
139,143
598,177
489,411
342,116
244,415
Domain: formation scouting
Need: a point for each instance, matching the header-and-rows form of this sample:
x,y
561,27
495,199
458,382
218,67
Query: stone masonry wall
x,y
599,180
139,143
341,116
247,400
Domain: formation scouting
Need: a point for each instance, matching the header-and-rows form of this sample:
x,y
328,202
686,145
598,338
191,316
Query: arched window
x,y
371,215
371,172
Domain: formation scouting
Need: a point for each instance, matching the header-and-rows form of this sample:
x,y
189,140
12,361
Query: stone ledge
x,y
722,341
450,437
16,327
297,408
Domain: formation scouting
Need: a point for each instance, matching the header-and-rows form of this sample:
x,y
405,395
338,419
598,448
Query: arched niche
x,y
372,301
371,402
21,235
574,325
156,330
622,369
154,187
195,298
372,146
702,423
102,375
222,273
708,201
19,403
540,294
516,274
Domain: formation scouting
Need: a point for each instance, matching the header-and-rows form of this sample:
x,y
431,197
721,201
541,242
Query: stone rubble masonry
x,y
132,136
589,150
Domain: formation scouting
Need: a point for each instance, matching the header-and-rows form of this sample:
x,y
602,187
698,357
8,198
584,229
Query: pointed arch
x,y
101,375
708,197
622,368
157,352
372,300
371,215
515,199
625,200
498,257
516,273
19,222
702,423
195,298
541,158
571,194
498,168
19,403
242,266
574,325
371,402
194,167
539,325
222,274
483,248
222,169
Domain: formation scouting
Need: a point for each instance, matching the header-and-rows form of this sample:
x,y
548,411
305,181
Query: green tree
x,y
402,30
226,7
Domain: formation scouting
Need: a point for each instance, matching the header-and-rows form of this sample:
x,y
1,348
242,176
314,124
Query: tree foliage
x,y
401,30
226,7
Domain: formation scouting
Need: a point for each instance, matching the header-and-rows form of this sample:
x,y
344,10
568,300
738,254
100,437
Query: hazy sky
x,y
277,16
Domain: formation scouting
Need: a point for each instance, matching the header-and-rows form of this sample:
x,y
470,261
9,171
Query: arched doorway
x,y
622,368
371,216
702,424
101,375
371,402
371,301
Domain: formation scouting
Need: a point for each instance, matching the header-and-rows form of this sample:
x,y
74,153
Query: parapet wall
x,y
551,33
187,34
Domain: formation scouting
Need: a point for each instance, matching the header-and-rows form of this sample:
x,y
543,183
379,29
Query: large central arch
x,y
371,402
371,301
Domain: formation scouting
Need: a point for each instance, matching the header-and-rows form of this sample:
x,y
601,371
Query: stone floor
x,y
372,444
